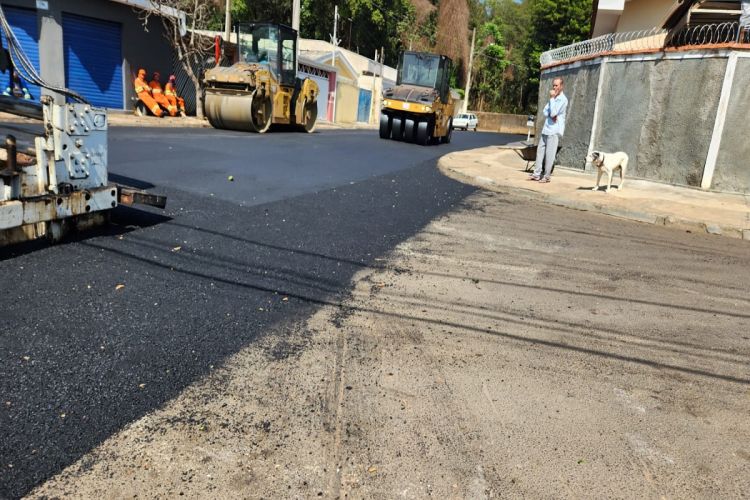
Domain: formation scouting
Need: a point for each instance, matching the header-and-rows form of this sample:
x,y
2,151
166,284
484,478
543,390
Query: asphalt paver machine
x,y
262,88
59,182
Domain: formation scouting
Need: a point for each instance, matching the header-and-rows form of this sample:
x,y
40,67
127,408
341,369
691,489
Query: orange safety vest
x,y
143,91
161,98
141,86
171,94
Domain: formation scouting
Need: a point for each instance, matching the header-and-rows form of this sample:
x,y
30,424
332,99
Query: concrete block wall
x,y
733,161
662,110
347,101
502,122
662,114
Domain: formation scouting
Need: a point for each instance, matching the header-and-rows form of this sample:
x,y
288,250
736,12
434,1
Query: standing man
x,y
554,127
744,21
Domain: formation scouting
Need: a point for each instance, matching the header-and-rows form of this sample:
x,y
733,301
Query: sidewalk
x,y
502,170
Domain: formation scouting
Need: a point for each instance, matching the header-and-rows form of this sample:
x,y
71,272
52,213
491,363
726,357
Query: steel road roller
x,y
420,107
262,88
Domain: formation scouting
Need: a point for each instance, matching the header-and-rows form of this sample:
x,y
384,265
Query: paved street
x,y
303,214
341,319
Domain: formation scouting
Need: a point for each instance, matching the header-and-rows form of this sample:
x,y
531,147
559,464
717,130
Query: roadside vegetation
x,y
510,35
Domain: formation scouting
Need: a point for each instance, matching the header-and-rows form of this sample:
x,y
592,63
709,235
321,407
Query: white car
x,y
466,121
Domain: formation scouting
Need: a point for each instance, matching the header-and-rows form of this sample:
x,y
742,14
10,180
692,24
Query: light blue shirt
x,y
557,107
745,14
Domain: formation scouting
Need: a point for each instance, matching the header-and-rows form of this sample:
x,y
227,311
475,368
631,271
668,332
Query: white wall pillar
x,y
721,115
597,108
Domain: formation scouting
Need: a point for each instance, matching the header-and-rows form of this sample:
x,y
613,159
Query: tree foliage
x,y
553,23
364,26
511,35
453,33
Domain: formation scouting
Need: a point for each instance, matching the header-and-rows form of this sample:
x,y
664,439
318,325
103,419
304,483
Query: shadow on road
x,y
123,220
151,305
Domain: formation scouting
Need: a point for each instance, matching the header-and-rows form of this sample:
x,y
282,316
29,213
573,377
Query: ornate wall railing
x,y
646,40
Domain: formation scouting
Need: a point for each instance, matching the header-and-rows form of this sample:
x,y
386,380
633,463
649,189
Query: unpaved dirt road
x,y
507,350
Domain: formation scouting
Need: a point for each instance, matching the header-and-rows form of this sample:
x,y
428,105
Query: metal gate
x,y
321,78
364,106
92,50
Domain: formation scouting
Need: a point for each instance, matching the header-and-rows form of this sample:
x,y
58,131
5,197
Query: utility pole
x,y
295,26
335,40
295,15
380,91
228,21
465,107
373,101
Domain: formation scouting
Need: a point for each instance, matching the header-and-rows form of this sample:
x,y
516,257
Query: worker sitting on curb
x,y
159,96
170,90
143,91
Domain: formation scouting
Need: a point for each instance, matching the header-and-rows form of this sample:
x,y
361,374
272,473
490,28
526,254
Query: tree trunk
x,y
198,101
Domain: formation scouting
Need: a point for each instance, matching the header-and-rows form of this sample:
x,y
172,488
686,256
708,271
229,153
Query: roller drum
x,y
230,111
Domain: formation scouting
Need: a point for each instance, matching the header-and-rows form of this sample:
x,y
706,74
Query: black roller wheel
x,y
262,112
385,126
424,132
310,116
397,129
446,139
410,130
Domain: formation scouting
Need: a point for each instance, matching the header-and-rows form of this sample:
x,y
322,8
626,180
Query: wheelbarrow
x,y
527,151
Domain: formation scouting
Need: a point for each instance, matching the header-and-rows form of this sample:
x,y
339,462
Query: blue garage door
x,y
24,26
93,59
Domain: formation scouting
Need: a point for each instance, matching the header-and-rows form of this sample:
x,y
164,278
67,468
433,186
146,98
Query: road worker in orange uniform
x,y
143,91
159,96
171,92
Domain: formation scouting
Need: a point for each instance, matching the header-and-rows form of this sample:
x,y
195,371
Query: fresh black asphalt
x,y
227,261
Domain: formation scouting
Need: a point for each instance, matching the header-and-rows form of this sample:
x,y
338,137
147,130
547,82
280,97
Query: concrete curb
x,y
118,118
447,165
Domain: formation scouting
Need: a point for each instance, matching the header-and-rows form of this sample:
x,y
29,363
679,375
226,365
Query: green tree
x,y
513,20
364,26
553,23
489,66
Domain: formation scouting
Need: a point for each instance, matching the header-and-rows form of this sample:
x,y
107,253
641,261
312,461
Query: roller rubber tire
x,y
385,126
446,139
410,129
423,133
397,129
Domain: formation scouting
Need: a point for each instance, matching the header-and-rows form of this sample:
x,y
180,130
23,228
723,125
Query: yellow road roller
x,y
420,107
262,88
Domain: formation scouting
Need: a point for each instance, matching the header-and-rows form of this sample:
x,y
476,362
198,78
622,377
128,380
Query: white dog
x,y
608,162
